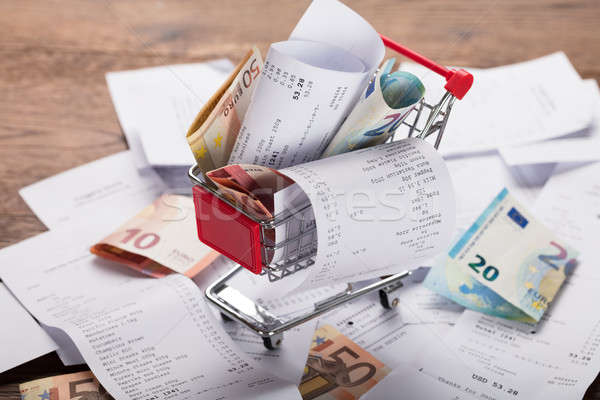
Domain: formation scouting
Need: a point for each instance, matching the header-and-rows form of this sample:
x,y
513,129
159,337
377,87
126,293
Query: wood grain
x,y
55,111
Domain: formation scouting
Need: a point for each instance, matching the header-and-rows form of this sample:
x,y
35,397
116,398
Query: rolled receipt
x,y
308,85
378,210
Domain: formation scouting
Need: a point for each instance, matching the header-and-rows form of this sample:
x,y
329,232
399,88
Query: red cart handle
x,y
458,82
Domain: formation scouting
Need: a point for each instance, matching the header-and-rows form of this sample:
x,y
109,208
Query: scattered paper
x,y
582,146
141,337
557,361
570,205
156,106
442,370
103,193
477,179
21,337
513,104
399,335
406,382
287,362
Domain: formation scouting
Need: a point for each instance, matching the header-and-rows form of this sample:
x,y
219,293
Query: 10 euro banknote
x,y
507,264
159,240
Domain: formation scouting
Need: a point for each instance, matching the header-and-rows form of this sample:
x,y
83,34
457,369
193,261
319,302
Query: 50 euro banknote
x,y
214,131
507,264
159,240
79,385
338,368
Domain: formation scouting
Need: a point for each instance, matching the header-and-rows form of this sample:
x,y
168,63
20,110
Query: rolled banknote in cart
x,y
250,186
386,102
379,210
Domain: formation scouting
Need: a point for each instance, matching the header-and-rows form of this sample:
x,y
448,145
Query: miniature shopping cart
x,y
250,242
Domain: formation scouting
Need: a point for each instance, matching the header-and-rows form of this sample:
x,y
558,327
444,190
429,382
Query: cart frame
x,y
256,251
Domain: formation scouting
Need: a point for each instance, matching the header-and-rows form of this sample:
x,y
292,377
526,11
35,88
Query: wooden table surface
x,y
56,113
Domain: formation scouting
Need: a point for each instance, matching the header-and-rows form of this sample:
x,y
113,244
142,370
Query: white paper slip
x,y
559,361
67,351
406,382
104,193
399,335
287,362
514,104
347,30
156,105
21,337
477,180
307,86
141,337
444,371
570,205
582,147
378,211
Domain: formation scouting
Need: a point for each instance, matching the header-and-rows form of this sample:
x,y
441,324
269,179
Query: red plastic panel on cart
x,y
228,231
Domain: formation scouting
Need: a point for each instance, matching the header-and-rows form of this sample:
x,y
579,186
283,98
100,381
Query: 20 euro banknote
x,y
506,264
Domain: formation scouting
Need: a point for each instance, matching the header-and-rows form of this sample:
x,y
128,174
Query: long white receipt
x,y
19,323
143,338
378,210
559,361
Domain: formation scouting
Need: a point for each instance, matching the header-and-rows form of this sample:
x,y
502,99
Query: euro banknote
x,y
507,264
338,368
159,240
251,187
214,131
465,290
80,385
385,104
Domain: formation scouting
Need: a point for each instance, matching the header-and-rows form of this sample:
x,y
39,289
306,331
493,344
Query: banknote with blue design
x,y
382,108
507,264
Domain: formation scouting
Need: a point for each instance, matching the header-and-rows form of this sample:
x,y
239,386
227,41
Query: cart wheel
x,y
384,299
272,343
226,317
